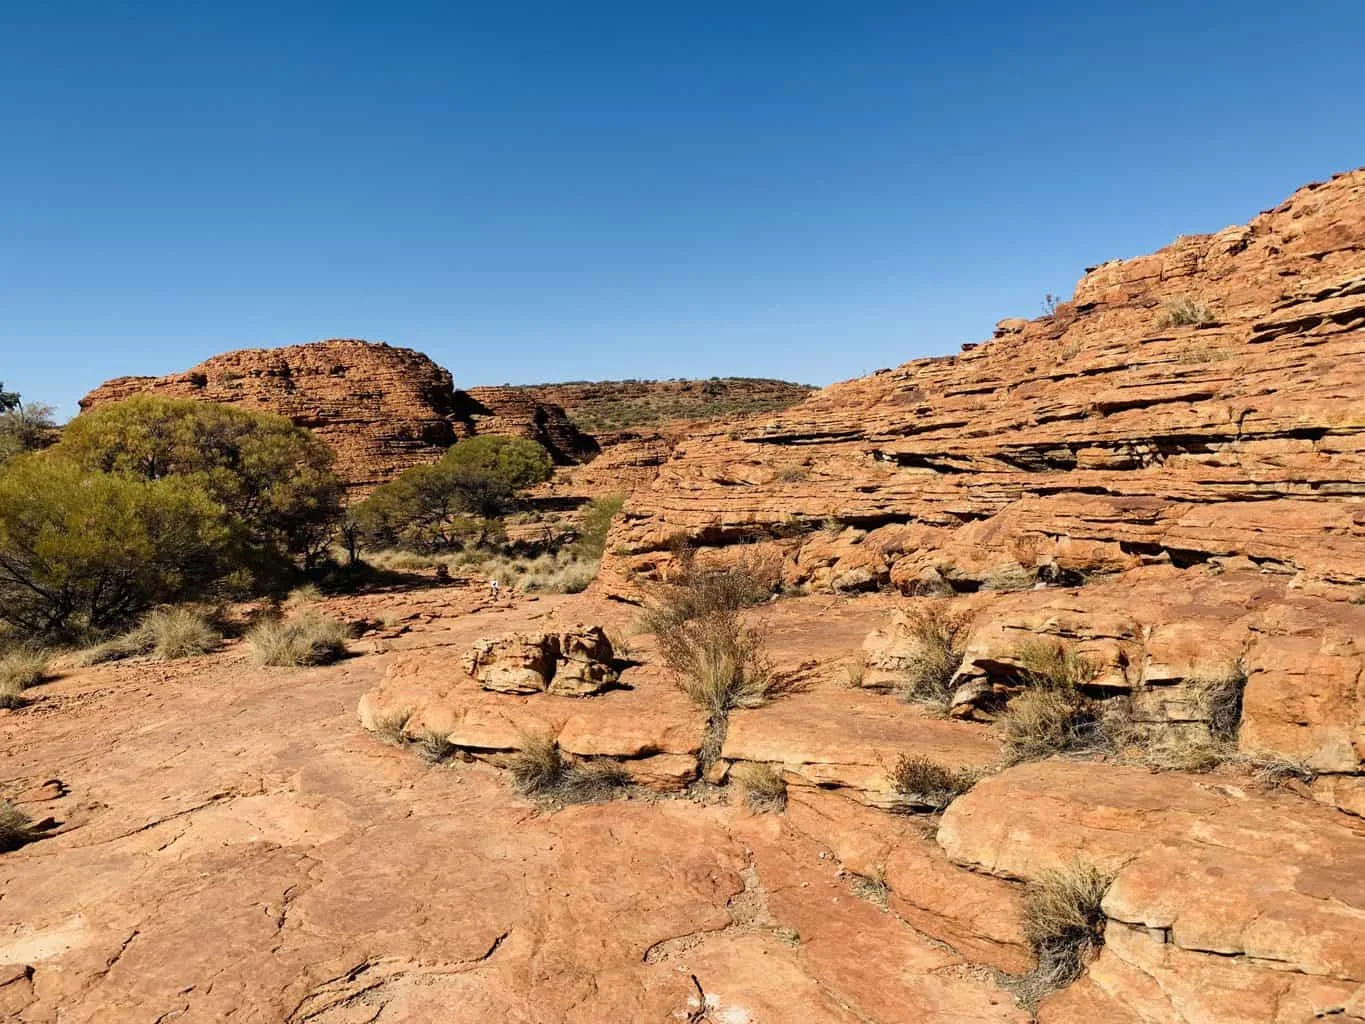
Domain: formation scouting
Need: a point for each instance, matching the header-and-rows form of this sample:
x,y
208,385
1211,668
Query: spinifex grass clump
x,y
20,668
1052,715
540,769
309,639
1063,923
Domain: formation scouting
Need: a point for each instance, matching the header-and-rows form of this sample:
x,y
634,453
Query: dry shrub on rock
x,y
1063,926
928,783
720,663
19,669
764,788
940,633
1182,311
1052,715
694,591
1218,694
308,640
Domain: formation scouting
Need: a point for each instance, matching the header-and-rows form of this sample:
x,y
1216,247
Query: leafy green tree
x,y
456,501
8,399
82,550
274,479
26,427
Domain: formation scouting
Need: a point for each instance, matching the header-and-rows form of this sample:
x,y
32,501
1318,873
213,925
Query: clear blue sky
x,y
604,190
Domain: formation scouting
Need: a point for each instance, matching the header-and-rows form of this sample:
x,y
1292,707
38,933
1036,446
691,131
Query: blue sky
x,y
532,192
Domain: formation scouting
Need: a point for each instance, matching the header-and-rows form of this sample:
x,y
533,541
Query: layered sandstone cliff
x,y
1099,437
382,409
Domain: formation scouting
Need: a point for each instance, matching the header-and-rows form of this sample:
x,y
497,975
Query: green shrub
x,y
308,640
595,524
82,550
454,502
273,479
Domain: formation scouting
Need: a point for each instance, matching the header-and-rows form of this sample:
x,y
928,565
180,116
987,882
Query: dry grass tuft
x,y
393,726
1219,697
940,633
164,634
1054,665
1063,925
853,672
764,788
308,640
308,593
540,769
928,783
16,827
1010,577
1038,723
1273,770
434,748
593,781
20,668
1182,311
874,890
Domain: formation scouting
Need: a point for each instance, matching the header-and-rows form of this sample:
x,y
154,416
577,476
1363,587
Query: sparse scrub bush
x,y
693,591
1010,577
16,827
921,780
940,634
764,788
1054,665
307,593
1063,926
1273,770
307,640
1182,311
393,725
720,663
592,781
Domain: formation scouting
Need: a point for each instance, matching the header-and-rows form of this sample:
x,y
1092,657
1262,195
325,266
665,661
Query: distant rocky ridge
x,y
382,409
607,408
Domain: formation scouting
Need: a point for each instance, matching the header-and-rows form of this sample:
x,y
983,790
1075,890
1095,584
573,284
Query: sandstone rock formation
x,y
382,409
573,663
1097,438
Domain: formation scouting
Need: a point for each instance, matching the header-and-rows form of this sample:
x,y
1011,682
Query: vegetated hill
x,y
1203,403
609,407
381,408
